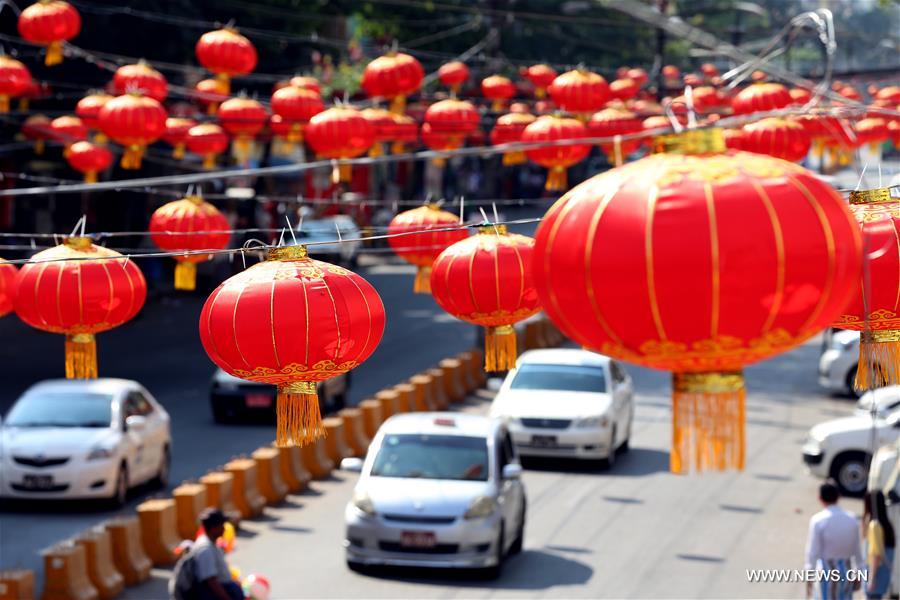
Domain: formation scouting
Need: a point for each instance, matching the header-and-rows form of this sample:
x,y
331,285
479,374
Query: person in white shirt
x,y
833,545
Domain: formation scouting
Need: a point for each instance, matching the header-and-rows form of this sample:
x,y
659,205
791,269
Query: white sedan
x,y
567,402
83,439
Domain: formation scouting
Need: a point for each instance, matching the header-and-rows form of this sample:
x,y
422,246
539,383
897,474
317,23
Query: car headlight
x,y
597,421
482,506
363,503
100,453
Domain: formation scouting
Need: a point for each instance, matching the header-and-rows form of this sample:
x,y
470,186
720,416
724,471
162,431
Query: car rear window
x,y
432,457
569,378
58,409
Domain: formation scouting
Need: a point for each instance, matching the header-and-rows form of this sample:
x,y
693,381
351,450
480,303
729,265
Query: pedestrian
x,y
880,543
833,546
202,573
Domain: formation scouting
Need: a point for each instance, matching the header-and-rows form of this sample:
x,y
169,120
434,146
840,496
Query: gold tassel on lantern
x,y
23,104
341,172
178,151
81,356
90,177
556,180
299,420
514,158
185,276
242,146
54,54
4,104
708,420
131,158
879,359
422,283
497,105
295,134
39,146
225,82
376,150
500,348
209,161
397,148
398,105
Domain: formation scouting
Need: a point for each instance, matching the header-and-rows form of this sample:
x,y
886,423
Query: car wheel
x,y
120,491
851,472
162,476
626,443
517,544
491,573
609,462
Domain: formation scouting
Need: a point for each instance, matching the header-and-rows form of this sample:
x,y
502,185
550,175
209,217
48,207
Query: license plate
x,y
37,482
417,539
543,441
258,400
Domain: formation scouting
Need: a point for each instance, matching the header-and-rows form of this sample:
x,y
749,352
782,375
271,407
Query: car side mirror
x,y
352,464
512,471
135,423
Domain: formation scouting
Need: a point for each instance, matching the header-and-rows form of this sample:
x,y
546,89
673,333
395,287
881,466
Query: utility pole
x,y
659,60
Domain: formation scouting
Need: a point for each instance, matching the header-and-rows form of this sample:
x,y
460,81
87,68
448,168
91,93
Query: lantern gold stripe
x,y
778,297
648,257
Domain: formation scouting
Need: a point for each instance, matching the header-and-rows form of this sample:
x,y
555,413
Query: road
x,y
637,531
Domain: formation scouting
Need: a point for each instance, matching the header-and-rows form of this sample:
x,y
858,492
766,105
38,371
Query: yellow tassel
x,y
299,421
422,284
500,348
90,177
178,151
879,359
23,104
497,105
439,161
54,54
242,146
225,80
295,134
4,104
556,180
342,172
398,105
212,108
39,146
376,150
818,148
81,356
708,420
185,276
514,158
540,93
844,158
209,161
131,158
397,148
100,139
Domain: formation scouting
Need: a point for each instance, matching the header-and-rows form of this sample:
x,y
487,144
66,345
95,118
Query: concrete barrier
x,y
158,531
422,392
439,397
268,475
101,570
316,460
293,473
390,403
65,574
336,440
190,500
17,584
405,397
219,495
244,493
372,420
454,382
354,431
467,371
128,549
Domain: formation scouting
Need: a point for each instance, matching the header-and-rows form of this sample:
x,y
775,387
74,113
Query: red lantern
x,y
498,90
8,274
296,106
440,141
88,108
306,83
693,80
404,131
96,290
419,235
890,95
176,132
37,129
226,53
393,76
850,93
776,137
769,251
611,122
671,74
67,130
638,75
143,78
14,80
761,97
556,158
189,225
293,322
508,129
453,74
709,70
89,159
487,280
623,89
133,121
872,131
705,98
580,92
209,93
540,76
383,125
452,117
208,140
734,139
340,133
800,96
50,23
242,118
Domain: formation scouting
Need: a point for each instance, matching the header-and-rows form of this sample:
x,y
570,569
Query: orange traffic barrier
x,y
354,431
158,530
336,440
128,550
371,411
244,491
390,403
190,500
218,486
66,575
422,392
268,475
293,473
406,400
454,383
17,584
101,570
439,397
316,460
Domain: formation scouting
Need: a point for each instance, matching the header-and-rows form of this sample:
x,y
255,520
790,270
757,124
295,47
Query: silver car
x,y
436,490
837,364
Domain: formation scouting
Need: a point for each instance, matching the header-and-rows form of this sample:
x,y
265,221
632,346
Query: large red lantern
x,y
14,80
8,274
208,140
296,106
770,253
176,133
557,159
760,97
612,122
50,23
872,131
133,121
292,321
508,129
487,280
189,225
143,78
79,289
498,89
624,89
452,117
393,77
580,92
777,137
89,159
339,133
540,76
209,93
226,53
453,74
419,235
242,118
67,130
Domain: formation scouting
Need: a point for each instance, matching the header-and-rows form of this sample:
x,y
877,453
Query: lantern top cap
x,y
287,253
871,196
691,141
78,242
492,230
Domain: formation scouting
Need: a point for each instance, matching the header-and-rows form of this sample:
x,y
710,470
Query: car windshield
x,y
61,409
432,457
570,378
